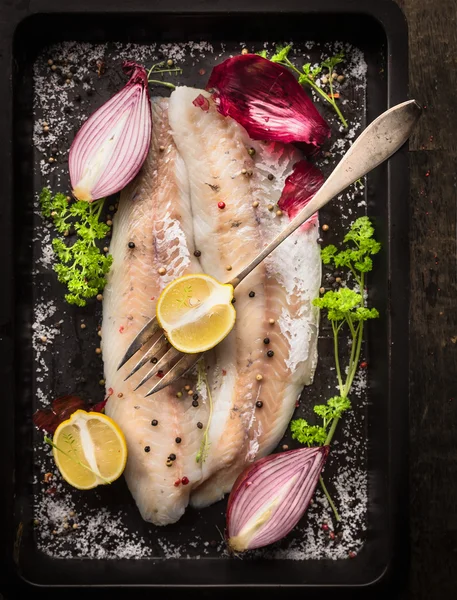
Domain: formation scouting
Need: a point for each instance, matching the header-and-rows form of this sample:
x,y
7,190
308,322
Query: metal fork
x,y
382,138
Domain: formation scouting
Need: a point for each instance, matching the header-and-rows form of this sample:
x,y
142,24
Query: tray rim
x,y
393,22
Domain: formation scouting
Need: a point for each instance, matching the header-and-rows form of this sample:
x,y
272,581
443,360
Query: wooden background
x,y
433,308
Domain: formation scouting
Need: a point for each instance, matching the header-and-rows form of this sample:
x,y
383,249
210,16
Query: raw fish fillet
x,y
250,415
154,213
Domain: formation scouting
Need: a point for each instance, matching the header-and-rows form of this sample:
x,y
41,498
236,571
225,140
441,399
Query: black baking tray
x,y
377,27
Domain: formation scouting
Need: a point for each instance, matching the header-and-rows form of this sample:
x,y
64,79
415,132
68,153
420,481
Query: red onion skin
x,y
299,188
202,102
133,144
267,100
242,482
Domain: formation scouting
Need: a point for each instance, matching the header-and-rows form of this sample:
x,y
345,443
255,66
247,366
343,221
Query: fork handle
x,y
382,138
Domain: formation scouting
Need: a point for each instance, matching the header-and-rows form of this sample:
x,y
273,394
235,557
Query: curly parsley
x,y
344,308
309,73
80,266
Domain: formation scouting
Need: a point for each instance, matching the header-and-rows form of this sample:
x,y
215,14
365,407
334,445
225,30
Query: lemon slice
x,y
89,449
196,312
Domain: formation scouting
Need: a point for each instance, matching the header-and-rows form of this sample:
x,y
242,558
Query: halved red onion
x,y
301,185
271,495
267,100
111,146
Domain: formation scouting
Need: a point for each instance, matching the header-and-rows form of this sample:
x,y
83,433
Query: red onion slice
x,y
301,185
112,145
267,100
271,495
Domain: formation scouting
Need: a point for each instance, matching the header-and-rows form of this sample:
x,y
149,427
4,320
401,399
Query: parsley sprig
x,y
309,73
81,266
345,308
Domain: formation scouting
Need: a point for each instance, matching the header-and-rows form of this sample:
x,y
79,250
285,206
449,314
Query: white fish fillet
x,y
215,151
154,213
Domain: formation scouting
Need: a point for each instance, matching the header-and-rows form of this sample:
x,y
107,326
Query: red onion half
x,y
301,185
271,495
267,100
111,146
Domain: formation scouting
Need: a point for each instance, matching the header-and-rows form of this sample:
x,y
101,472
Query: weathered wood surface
x,y
433,307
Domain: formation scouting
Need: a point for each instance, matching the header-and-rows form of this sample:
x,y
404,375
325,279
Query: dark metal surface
x,y
379,29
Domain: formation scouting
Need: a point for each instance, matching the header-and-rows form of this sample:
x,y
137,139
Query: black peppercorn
x,y
153,360
195,403
259,403
233,300
266,340
154,422
197,253
271,176
172,457
270,353
320,241
195,397
147,449
331,279
200,425
178,440
131,244
251,294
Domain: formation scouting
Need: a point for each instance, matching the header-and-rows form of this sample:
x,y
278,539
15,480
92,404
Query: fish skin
x,y
154,212
215,151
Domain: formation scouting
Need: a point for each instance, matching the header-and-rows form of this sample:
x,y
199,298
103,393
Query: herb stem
x,y
165,83
337,358
51,443
329,498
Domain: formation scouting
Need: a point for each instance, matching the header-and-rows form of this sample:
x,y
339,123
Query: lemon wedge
x,y
89,449
196,312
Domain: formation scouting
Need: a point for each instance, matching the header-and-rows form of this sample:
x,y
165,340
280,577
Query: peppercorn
x,y
83,326
221,205
270,207
162,271
233,300
51,159
169,463
251,151
321,290
50,62
109,222
266,340
147,448
154,360
200,425
338,279
179,395
255,204
251,294
185,480
325,227
271,176
279,213
131,244
285,447
161,148
271,321
53,68
270,353
120,395
195,403
259,403
172,457
98,350
331,279
243,171
99,297
320,241
340,78
101,382
178,440
197,253
187,387
170,62
190,392
228,267
195,396
244,51
154,422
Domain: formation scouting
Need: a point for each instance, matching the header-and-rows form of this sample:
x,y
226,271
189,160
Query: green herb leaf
x,y
262,53
306,434
281,53
81,266
332,61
